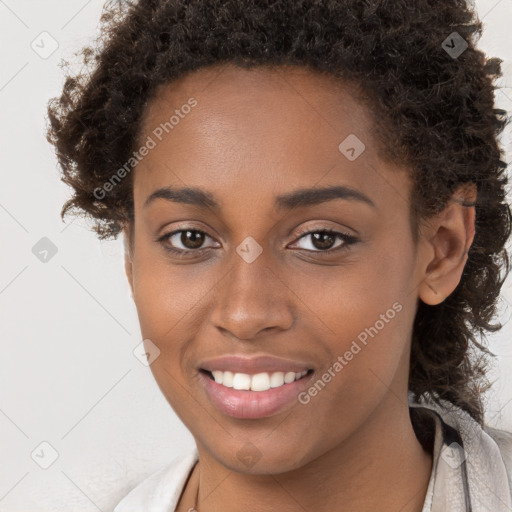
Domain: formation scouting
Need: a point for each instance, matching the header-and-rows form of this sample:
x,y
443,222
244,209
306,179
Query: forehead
x,y
272,127
228,81
269,95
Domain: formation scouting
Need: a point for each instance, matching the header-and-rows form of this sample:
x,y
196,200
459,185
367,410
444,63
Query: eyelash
x,y
183,253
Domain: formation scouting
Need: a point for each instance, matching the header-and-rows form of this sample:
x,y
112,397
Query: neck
x,y
381,467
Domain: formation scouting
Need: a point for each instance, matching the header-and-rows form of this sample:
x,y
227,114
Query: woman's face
x,y
263,163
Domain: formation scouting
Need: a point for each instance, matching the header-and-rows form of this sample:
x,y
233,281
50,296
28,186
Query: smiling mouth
x,y
262,381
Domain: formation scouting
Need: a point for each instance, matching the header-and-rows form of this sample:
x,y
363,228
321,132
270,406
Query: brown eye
x,y
192,239
325,240
184,241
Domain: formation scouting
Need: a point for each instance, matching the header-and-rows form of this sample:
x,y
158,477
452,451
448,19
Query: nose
x,y
252,298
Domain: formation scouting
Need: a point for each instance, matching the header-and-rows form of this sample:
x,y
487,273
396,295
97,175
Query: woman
x,y
314,213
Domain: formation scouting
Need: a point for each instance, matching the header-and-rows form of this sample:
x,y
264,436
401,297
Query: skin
x,y
256,134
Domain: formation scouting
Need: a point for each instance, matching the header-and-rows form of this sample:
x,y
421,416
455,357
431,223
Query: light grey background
x,y
68,326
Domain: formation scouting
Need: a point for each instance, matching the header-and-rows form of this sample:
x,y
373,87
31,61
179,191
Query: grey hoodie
x,y
472,467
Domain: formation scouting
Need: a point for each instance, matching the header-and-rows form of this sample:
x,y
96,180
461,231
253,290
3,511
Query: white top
x,y
471,471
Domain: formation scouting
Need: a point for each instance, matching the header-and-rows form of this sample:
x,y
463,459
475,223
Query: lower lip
x,y
252,404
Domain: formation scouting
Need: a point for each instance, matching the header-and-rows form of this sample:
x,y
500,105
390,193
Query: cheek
x,y
165,304
365,311
163,294
171,303
368,357
348,298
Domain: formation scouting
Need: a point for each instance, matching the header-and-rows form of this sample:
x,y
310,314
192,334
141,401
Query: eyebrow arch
x,y
187,195
312,196
297,198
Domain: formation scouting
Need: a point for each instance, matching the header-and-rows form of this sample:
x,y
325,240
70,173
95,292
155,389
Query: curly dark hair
x,y
433,112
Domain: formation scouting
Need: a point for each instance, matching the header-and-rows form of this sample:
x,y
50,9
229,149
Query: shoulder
x,y
160,491
485,455
503,440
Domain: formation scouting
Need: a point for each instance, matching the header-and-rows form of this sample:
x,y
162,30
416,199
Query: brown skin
x,y
253,135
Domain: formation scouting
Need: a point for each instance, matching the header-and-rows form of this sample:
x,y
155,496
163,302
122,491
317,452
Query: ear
x,y
448,238
128,253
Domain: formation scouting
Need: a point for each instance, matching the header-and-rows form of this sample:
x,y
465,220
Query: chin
x,y
252,459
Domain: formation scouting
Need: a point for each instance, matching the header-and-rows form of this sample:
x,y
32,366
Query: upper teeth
x,y
257,382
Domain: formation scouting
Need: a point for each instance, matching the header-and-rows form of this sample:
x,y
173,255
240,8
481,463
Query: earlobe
x,y
451,235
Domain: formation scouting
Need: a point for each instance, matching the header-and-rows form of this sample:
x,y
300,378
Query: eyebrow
x,y
297,198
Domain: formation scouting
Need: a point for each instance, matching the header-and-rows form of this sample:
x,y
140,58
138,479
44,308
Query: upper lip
x,y
252,365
